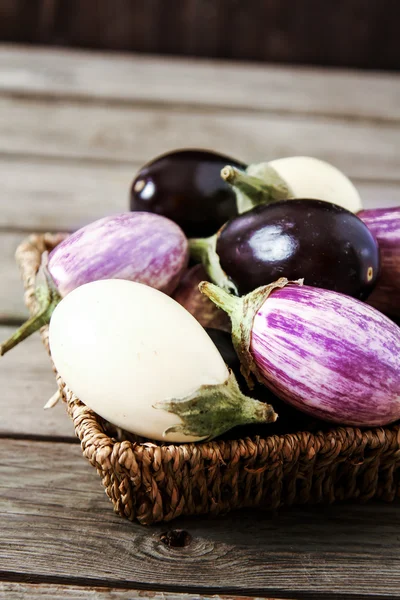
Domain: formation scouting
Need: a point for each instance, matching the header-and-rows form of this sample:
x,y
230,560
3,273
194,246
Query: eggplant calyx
x,y
212,410
47,297
242,312
204,250
258,184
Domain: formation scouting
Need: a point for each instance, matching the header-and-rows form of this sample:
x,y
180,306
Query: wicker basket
x,y
157,482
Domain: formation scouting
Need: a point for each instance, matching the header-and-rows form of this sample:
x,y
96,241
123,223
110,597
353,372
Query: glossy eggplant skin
x,y
324,244
186,186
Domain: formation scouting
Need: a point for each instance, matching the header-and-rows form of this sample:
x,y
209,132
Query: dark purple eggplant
x,y
186,186
324,244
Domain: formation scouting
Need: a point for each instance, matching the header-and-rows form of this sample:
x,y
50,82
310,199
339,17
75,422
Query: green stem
x,y
48,298
201,247
220,297
212,410
242,312
204,250
253,187
259,184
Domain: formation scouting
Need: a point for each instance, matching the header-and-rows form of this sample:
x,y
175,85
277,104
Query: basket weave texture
x,y
152,482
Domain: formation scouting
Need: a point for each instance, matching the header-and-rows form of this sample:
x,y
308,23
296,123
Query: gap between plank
x,y
44,158
192,107
26,230
11,321
40,589
270,593
62,439
22,157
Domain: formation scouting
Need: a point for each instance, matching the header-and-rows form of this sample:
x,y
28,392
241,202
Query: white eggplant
x,y
141,361
292,177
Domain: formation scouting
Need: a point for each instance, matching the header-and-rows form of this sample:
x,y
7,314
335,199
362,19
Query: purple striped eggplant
x,y
384,223
203,310
290,420
327,354
139,246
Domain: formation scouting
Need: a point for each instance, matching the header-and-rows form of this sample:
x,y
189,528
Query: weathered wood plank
x,y
52,508
26,383
383,194
52,195
63,195
21,591
11,290
138,78
131,135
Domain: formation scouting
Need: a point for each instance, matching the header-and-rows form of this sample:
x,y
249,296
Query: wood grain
x,y
21,591
318,552
26,383
141,79
40,195
131,135
12,305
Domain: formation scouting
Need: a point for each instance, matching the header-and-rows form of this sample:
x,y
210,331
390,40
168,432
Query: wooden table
x,y
74,128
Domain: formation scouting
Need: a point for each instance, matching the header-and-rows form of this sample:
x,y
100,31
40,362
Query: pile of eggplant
x,y
230,299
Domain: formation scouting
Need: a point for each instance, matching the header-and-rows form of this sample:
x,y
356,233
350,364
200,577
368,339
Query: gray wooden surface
x,y
43,591
74,128
312,550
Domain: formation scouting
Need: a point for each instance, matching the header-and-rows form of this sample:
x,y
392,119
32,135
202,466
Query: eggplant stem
x,y
212,410
33,324
220,297
242,312
256,190
228,174
48,298
200,247
204,250
252,189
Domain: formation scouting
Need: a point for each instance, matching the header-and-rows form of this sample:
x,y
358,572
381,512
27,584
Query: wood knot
x,y
176,538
